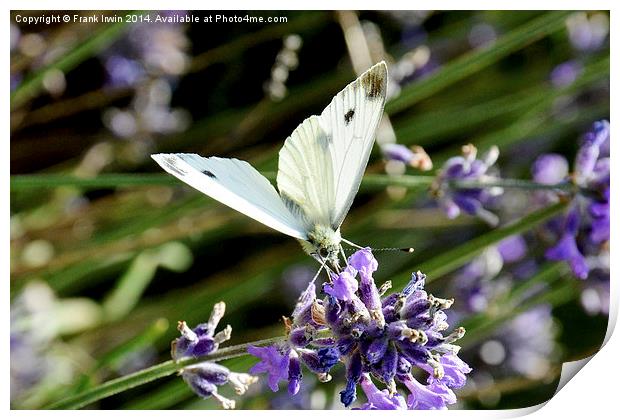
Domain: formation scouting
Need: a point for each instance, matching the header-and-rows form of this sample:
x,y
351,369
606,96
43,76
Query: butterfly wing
x,y
322,163
305,173
238,185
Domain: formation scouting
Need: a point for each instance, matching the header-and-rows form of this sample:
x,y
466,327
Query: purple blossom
x,y
584,229
380,399
370,334
415,156
454,371
587,32
512,249
274,362
566,73
343,287
204,378
435,396
201,340
471,200
529,342
566,248
550,169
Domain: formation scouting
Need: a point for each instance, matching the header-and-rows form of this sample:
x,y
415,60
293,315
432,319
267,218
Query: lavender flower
x,y
587,32
415,156
375,338
584,229
467,168
478,283
275,362
201,340
595,296
564,74
204,378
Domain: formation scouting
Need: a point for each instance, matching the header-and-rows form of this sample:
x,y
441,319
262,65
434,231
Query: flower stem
x,y
370,181
150,374
523,184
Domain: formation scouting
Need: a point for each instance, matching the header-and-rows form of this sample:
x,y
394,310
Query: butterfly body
x,y
320,169
324,244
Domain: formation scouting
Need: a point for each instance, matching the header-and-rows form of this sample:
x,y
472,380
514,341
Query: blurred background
x,y
102,270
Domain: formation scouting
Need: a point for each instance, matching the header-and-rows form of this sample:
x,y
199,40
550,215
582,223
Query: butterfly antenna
x,y
407,250
316,276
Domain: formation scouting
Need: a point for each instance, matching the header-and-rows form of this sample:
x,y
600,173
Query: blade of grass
x,y
476,60
563,293
456,257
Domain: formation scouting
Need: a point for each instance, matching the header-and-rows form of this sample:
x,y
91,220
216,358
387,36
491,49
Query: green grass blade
x,y
477,60
457,257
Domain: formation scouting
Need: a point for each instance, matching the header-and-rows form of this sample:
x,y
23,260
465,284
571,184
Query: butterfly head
x,y
324,245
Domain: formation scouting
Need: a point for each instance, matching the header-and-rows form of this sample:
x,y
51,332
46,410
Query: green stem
x,y
370,181
523,184
150,374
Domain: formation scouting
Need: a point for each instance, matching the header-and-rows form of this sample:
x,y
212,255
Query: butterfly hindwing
x,y
238,185
304,173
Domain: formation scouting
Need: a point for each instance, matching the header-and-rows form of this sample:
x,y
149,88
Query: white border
x,y
592,394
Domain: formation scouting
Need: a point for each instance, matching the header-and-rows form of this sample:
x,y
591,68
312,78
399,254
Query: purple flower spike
x,y
590,150
386,337
583,232
205,378
274,362
467,168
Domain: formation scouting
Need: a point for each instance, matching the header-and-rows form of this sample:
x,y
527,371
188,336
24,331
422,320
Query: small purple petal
x,y
550,169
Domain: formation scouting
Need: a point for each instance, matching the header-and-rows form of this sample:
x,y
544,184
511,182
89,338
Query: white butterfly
x,y
320,169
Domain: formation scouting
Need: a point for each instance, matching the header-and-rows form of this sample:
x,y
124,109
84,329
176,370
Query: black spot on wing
x,y
209,174
171,163
349,116
374,83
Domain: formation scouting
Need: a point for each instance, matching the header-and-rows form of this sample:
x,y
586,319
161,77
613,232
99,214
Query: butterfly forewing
x,y
322,163
352,119
238,185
